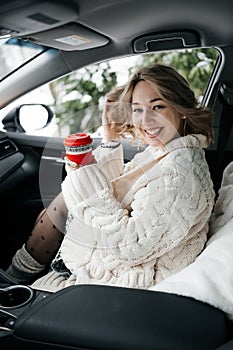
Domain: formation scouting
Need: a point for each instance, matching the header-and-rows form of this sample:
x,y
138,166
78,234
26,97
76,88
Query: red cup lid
x,y
77,140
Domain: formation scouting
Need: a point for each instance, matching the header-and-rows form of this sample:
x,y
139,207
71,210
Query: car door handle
x,y
54,159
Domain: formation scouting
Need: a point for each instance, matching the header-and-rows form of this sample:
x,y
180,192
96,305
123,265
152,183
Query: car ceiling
x,y
119,20
108,29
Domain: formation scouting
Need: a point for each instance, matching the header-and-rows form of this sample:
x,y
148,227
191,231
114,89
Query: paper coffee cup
x,y
79,148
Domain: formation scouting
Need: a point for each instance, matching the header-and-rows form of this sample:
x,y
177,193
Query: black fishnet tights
x,y
48,232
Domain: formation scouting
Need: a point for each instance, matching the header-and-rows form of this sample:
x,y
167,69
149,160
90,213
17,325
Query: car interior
x,y
72,35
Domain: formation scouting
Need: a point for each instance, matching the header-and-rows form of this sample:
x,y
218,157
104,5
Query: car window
x,y
14,53
77,99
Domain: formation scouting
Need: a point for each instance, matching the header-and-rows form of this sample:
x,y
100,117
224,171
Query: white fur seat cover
x,y
210,277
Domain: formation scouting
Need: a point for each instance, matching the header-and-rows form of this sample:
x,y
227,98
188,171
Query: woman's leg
x,y
48,232
42,244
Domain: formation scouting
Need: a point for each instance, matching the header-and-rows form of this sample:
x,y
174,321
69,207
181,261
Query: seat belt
x,y
226,122
224,132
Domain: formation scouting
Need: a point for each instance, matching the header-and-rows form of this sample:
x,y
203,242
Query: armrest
x,y
101,317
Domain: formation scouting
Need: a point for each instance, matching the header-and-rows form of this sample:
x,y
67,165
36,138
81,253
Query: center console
x,y
14,300
106,317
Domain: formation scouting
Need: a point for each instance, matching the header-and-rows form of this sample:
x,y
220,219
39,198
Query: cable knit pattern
x,y
145,224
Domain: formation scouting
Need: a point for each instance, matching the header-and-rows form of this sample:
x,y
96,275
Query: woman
x,y
135,224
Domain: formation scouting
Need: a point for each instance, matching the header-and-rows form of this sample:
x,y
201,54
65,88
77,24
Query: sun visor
x,y
69,37
32,17
49,24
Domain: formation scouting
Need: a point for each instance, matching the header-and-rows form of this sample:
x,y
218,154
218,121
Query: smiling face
x,y
156,122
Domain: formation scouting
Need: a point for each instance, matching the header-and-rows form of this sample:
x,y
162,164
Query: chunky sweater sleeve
x,y
110,160
163,211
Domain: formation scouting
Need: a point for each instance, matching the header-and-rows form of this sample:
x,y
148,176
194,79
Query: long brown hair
x,y
120,113
176,92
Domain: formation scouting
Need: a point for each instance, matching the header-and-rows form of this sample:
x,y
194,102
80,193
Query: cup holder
x,y
15,296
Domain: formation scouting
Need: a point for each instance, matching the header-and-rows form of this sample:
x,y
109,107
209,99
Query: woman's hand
x,y
109,133
72,166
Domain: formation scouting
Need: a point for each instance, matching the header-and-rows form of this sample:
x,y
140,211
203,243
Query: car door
x,y
33,172
22,197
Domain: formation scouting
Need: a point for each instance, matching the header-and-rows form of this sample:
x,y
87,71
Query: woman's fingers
x,y
70,166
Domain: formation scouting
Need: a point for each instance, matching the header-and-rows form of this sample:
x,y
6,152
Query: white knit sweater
x,y
134,225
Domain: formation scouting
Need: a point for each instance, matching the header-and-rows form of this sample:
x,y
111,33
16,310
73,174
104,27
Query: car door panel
x,y
28,182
